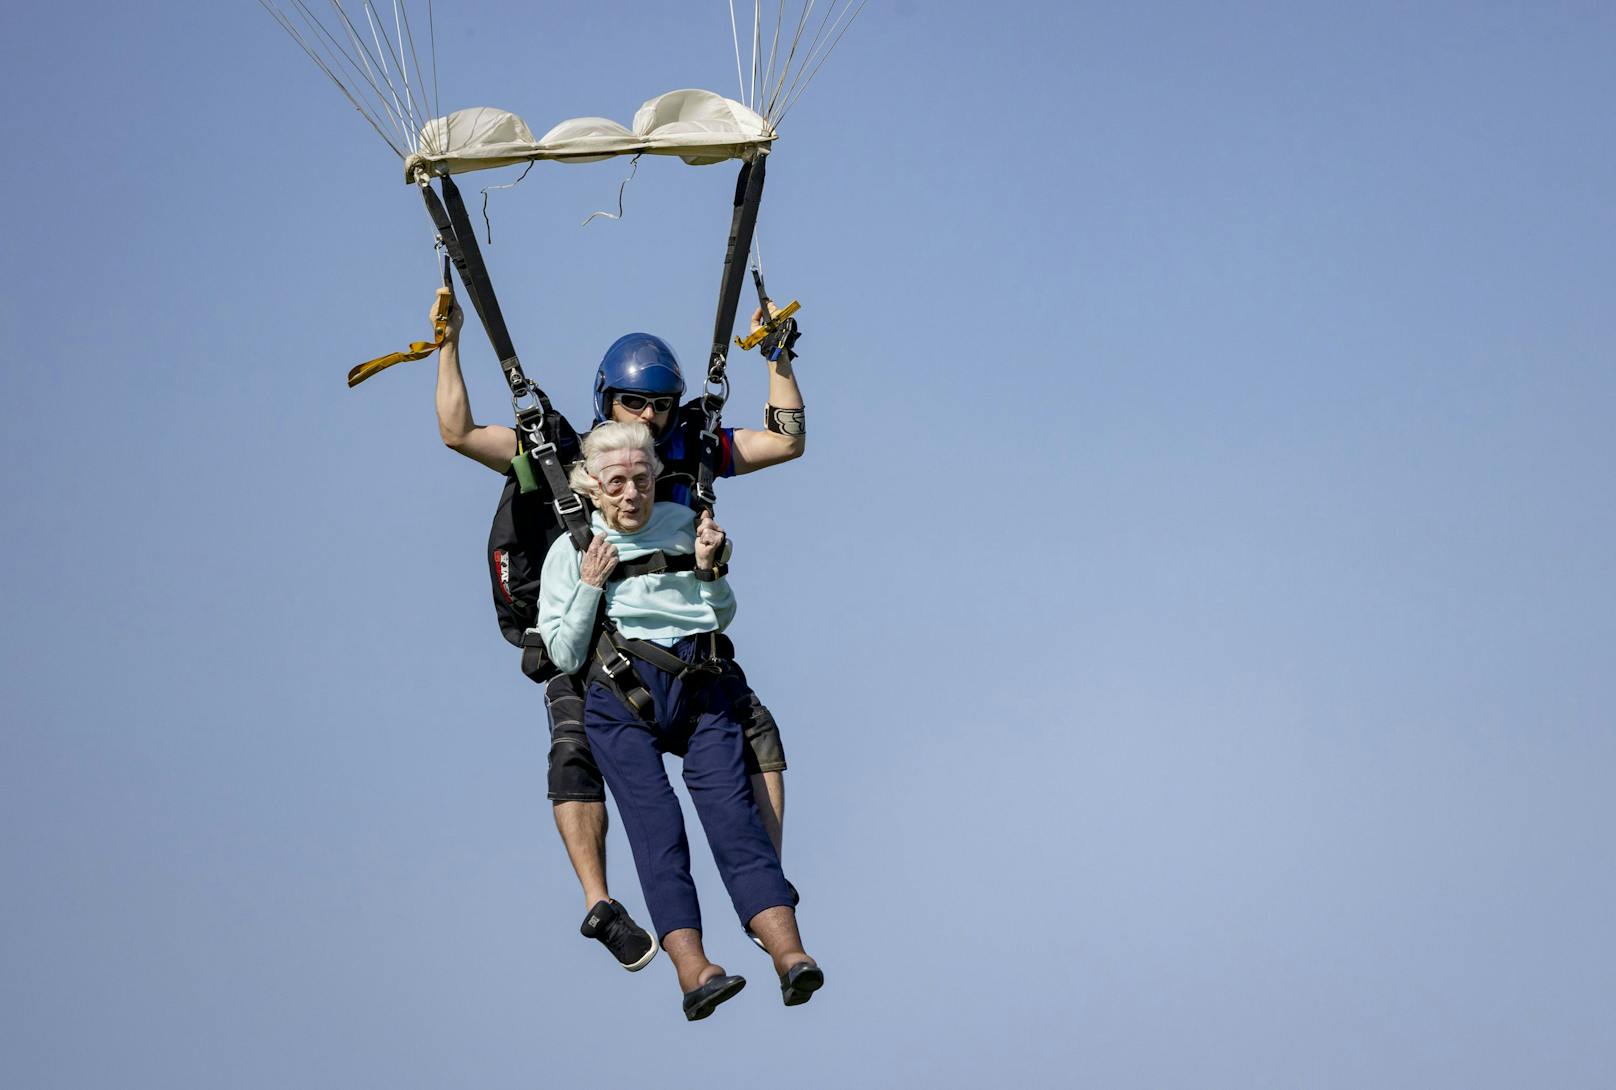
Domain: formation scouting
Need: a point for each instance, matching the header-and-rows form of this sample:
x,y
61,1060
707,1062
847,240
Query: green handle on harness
x,y
522,466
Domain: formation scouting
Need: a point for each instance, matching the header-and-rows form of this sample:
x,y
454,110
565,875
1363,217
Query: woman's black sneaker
x,y
630,944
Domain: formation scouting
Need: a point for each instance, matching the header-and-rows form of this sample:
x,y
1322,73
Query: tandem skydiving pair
x,y
632,625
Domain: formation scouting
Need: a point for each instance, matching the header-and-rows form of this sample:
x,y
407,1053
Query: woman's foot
x,y
799,983
705,997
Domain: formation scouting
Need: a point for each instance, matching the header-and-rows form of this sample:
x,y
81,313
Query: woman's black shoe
x,y
799,983
705,999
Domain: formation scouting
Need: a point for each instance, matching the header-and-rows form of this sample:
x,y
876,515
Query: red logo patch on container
x,y
502,572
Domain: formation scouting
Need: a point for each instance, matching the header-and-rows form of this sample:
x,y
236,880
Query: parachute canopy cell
x,y
698,126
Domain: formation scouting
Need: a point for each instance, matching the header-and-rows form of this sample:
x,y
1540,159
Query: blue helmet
x,y
640,363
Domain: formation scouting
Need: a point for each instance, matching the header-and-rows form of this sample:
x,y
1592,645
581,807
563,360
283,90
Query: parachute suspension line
x,y
633,168
735,36
403,72
791,98
785,69
774,50
405,109
377,70
757,50
408,33
432,40
488,227
286,25
371,68
398,36
808,55
372,111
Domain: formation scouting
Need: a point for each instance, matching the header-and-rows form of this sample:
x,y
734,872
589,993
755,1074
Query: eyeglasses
x,y
637,402
614,484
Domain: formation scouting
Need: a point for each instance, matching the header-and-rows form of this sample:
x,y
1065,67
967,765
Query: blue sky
x,y
1190,627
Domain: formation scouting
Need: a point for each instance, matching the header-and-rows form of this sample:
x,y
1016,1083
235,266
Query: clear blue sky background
x,y
1192,624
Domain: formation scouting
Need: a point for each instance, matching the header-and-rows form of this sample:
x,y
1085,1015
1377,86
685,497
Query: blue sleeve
x,y
726,452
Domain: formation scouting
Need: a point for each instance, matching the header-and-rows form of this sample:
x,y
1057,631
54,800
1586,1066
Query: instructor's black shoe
x,y
799,983
705,999
795,900
630,944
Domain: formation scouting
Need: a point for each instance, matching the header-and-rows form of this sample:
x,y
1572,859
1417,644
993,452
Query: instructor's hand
x,y
598,561
457,318
709,539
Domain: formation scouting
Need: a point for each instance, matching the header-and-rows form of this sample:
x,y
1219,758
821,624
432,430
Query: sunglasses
x,y
637,402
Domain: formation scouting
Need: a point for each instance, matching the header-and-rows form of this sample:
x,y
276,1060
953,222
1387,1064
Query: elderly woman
x,y
653,689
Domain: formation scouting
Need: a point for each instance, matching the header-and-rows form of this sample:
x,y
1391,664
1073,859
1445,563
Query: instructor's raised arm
x,y
490,444
785,436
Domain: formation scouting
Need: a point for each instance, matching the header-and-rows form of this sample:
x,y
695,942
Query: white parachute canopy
x,y
700,127
384,60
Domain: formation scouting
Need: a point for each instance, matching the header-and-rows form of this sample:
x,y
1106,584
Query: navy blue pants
x,y
694,719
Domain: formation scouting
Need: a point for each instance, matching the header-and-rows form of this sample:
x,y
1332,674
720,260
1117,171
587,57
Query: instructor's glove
x,y
783,339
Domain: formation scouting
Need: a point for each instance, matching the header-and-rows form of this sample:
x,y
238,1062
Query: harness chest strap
x,y
658,562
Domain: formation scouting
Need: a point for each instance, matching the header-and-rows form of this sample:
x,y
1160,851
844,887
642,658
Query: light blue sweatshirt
x,y
661,607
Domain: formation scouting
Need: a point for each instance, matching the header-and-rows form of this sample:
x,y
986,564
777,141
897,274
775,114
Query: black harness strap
x,y
612,650
653,563
613,666
537,423
743,222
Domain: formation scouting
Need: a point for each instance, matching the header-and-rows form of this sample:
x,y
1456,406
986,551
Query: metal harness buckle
x,y
615,667
570,504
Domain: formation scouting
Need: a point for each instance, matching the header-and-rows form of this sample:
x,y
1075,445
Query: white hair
x,y
609,438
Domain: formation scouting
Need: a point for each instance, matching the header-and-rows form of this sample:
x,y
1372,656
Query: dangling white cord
x,y
634,165
488,227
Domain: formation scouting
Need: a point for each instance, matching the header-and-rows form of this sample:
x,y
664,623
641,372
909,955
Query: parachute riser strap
x,y
536,422
743,222
537,425
460,240
451,244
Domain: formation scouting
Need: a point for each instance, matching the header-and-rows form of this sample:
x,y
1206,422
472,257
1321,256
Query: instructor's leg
x,y
770,789
765,758
576,788
582,826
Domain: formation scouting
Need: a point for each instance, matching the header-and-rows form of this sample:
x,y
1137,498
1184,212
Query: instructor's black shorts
x,y
574,776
